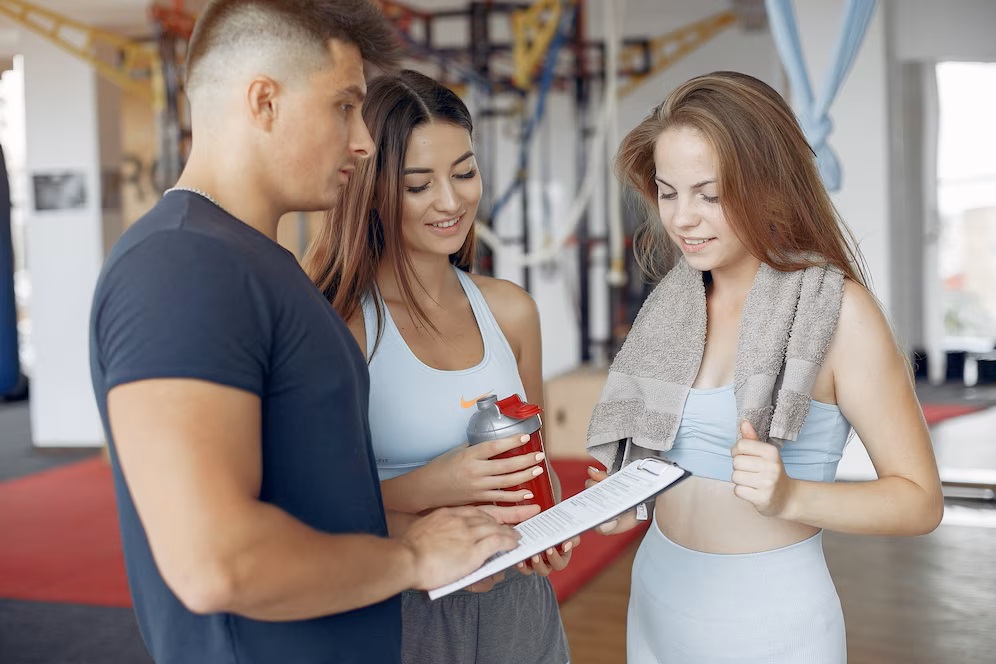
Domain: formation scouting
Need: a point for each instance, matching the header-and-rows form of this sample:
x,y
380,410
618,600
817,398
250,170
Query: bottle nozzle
x,y
486,402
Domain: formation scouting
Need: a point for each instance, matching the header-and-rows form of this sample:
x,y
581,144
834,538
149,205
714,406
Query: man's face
x,y
319,135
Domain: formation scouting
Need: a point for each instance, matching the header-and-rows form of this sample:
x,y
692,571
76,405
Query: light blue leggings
x,y
689,607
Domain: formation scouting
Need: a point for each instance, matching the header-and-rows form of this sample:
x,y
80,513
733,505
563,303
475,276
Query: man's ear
x,y
262,98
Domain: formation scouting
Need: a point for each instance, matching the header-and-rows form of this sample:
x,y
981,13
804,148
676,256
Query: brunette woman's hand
x,y
466,475
551,560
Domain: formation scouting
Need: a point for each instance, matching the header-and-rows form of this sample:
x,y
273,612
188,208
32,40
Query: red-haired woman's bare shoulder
x,y
861,312
864,339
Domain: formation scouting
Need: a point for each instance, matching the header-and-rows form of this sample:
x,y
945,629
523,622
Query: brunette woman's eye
x,y
417,190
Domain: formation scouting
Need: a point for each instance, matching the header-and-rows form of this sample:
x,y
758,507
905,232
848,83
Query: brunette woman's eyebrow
x,y
421,171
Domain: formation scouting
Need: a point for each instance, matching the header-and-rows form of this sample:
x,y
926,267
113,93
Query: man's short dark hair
x,y
306,24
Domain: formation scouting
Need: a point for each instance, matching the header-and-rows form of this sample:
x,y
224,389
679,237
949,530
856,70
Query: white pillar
x,y
64,226
933,287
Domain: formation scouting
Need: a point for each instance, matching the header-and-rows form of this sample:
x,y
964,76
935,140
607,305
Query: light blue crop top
x,y
418,412
708,432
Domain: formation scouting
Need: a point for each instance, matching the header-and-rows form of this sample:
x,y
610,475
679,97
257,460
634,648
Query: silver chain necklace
x,y
199,193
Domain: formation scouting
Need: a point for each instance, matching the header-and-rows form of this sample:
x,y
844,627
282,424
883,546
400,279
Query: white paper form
x,y
632,485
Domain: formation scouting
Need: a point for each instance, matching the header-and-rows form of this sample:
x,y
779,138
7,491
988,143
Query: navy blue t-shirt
x,y
191,292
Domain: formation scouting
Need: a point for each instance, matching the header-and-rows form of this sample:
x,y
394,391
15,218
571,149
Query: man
x,y
234,399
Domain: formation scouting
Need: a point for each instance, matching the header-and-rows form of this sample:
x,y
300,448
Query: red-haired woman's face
x,y
689,201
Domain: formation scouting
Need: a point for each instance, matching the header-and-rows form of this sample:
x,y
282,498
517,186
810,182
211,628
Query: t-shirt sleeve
x,y
181,305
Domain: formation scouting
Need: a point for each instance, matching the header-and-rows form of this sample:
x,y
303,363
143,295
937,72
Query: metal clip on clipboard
x,y
651,465
644,464
642,511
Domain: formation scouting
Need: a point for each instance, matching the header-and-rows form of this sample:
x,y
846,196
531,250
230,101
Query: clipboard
x,y
634,484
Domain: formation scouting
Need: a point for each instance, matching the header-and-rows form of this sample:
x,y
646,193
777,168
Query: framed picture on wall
x,y
59,191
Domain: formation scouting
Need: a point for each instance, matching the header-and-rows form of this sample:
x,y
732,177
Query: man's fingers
x,y
491,544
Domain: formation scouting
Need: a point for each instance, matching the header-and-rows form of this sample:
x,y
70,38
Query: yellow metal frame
x,y
139,71
671,47
533,29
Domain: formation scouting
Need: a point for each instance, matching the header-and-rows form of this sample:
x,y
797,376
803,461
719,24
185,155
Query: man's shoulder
x,y
171,238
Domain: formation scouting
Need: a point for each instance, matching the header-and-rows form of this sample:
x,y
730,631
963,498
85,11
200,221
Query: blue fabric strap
x,y
813,112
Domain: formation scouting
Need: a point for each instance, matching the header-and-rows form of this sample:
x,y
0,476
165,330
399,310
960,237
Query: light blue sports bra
x,y
708,432
418,412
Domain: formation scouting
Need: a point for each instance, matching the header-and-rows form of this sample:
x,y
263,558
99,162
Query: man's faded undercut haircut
x,y
282,36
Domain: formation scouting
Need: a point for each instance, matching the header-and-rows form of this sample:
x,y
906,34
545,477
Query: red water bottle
x,y
496,419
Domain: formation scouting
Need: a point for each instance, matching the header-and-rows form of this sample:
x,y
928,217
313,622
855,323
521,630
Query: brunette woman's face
x,y
441,189
689,200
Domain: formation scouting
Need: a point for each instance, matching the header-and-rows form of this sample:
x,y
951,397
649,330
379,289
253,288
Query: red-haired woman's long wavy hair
x,y
366,222
770,187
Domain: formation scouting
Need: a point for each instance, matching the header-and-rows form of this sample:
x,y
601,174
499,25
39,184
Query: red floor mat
x,y
938,412
59,537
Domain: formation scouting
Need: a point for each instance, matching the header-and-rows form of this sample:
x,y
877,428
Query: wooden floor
x,y
925,600
595,618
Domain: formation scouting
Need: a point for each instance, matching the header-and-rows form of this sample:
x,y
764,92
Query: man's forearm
x,y
398,522
269,566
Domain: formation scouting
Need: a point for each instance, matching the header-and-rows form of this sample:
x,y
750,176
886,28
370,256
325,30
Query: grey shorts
x,y
516,622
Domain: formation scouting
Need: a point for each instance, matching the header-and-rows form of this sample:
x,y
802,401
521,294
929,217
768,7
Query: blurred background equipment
x,y
94,126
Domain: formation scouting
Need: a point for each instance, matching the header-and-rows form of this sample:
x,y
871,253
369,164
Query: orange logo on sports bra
x,y
468,404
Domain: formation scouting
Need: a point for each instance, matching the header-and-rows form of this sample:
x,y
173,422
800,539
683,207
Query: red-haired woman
x,y
732,568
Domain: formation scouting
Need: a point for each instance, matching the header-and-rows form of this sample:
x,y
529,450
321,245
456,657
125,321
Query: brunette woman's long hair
x,y
769,184
366,223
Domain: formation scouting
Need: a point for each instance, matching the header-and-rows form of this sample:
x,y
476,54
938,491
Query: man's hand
x,y
450,543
